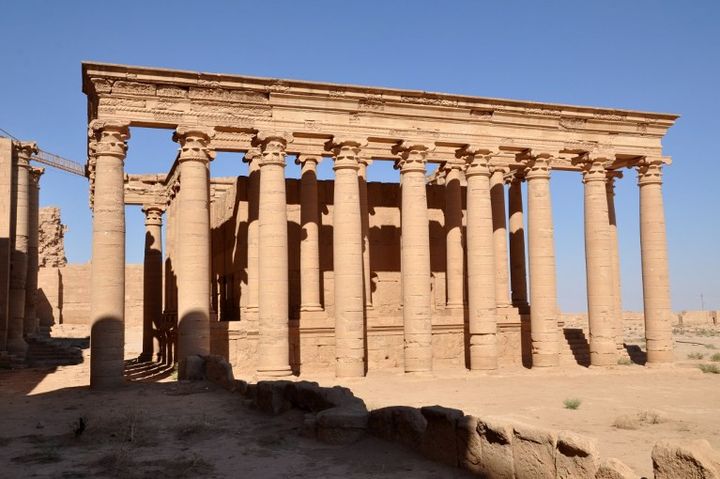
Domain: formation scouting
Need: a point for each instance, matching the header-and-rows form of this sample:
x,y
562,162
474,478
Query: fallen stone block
x,y
469,446
192,368
341,425
270,396
694,460
219,371
440,439
402,424
533,452
614,469
307,395
576,456
496,452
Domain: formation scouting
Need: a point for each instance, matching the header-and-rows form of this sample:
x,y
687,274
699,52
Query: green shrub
x,y
572,403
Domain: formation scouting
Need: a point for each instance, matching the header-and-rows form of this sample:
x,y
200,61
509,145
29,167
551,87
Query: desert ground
x,y
165,428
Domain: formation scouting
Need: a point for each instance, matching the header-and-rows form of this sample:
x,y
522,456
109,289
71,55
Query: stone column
x,y
273,350
310,236
348,260
415,257
543,291
454,253
193,244
615,253
31,320
481,263
18,273
107,296
598,261
252,158
518,273
365,229
500,235
152,278
653,245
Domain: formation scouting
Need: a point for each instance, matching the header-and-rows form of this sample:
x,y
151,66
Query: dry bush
x,y
625,362
572,403
695,356
709,368
638,420
715,357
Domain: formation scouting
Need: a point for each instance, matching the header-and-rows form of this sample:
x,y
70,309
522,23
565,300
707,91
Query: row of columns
x,y
484,257
22,321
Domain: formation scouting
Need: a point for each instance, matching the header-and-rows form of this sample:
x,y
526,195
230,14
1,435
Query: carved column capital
x,y
515,176
346,152
153,215
194,141
35,174
499,170
477,159
593,163
25,149
650,170
308,161
272,146
538,162
412,156
108,138
610,177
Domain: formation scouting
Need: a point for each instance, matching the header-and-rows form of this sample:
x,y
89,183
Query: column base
x,y
369,306
311,307
454,305
545,360
274,373
17,347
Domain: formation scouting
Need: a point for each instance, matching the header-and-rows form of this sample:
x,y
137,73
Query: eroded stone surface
x,y
694,460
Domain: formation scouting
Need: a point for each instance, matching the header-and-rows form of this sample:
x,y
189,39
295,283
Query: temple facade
x,y
286,276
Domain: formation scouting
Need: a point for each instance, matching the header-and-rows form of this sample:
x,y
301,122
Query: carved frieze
x,y
172,91
567,123
224,95
133,88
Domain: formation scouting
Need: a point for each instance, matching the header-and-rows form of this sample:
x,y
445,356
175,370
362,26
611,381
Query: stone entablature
x,y
236,106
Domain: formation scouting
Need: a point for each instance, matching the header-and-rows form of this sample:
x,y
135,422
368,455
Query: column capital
x,y
649,170
498,170
194,141
477,159
35,173
25,149
592,168
346,152
272,144
108,138
515,176
308,160
537,162
610,177
153,214
412,156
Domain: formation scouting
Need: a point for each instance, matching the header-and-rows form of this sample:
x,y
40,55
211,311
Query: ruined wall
x,y
312,337
64,295
51,245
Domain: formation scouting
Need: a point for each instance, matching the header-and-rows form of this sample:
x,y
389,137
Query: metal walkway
x,y
53,160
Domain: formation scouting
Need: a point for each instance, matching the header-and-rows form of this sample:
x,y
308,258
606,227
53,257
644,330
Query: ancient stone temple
x,y
288,276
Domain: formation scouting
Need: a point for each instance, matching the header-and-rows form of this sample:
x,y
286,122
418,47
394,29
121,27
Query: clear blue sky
x,y
649,55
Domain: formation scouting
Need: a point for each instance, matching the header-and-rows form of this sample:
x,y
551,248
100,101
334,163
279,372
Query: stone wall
x,y
51,246
312,337
64,295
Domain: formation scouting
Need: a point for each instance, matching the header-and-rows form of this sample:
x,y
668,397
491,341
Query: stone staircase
x,y
574,347
52,352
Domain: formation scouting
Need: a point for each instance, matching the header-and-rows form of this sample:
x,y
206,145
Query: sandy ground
x,y
627,407
170,429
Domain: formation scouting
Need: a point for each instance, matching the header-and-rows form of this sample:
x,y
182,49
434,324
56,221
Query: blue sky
x,y
649,55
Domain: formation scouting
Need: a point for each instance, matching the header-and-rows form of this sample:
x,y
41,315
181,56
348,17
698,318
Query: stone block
x,y
469,446
439,441
696,460
219,371
533,452
402,424
192,368
576,456
271,396
614,469
309,426
496,452
341,425
307,395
